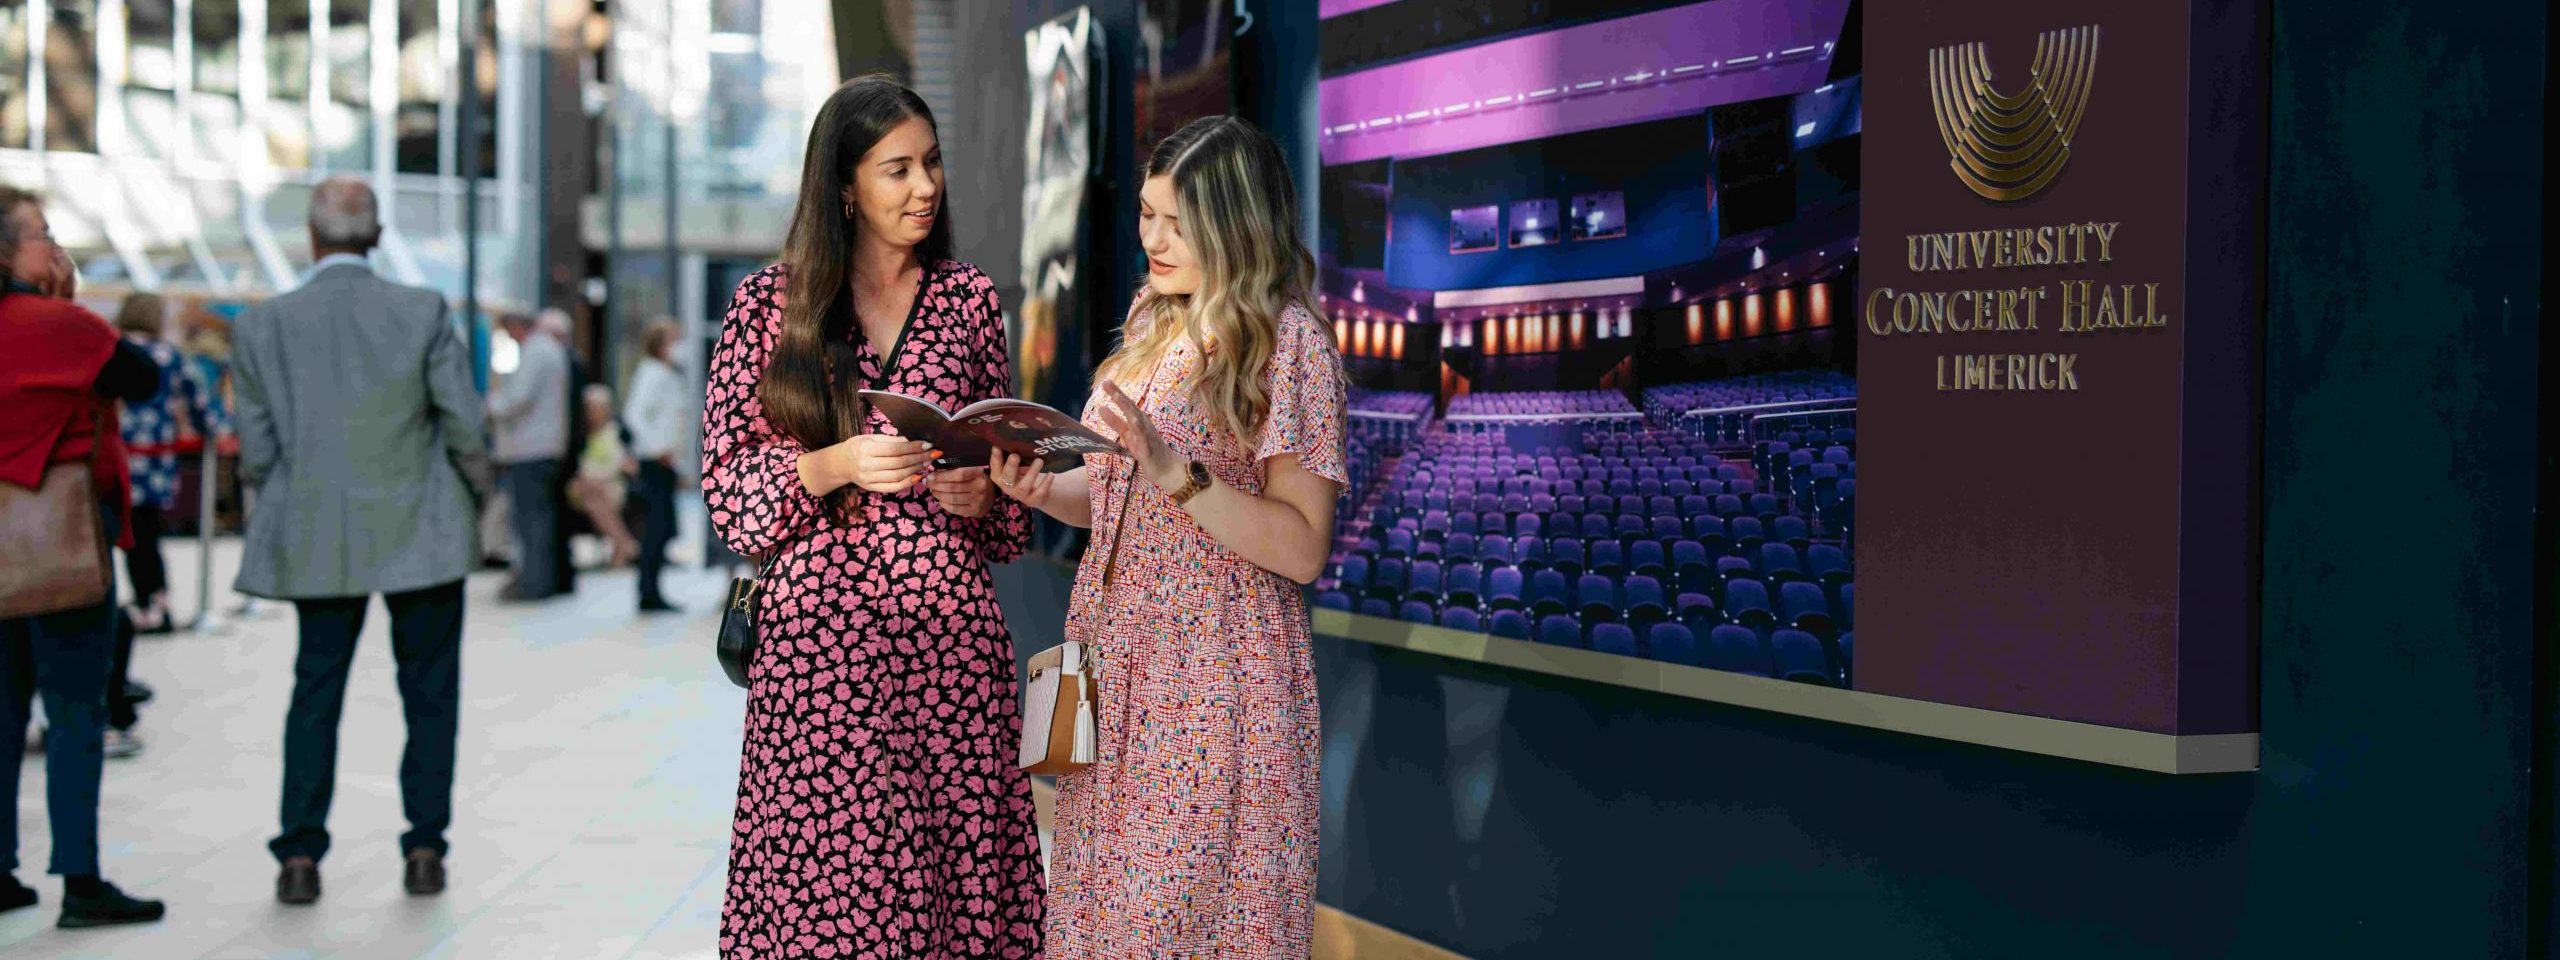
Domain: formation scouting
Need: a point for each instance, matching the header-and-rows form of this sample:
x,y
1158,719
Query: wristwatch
x,y
1191,487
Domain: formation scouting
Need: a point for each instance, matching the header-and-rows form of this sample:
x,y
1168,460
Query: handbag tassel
x,y
1082,751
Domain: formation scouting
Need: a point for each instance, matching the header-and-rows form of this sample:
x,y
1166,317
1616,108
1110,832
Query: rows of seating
x,y
1410,403
1648,544
1664,403
1541,403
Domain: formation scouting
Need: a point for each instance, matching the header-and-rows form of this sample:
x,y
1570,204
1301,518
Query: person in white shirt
x,y
657,414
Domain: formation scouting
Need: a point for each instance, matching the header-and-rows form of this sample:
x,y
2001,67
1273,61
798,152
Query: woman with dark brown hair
x,y
879,810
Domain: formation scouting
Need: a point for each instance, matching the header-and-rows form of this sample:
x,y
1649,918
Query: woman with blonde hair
x,y
1194,833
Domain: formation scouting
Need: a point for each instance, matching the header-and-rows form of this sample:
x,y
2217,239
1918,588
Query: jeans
x,y
66,657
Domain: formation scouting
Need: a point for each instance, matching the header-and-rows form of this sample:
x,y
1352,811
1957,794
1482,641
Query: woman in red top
x,y
61,369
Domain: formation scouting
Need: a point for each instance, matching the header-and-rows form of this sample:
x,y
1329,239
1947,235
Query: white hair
x,y
343,214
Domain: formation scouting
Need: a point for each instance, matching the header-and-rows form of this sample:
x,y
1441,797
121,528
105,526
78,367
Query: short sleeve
x,y
1307,399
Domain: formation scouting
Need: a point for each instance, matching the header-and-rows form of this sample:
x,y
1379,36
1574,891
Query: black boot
x,y
91,902
14,894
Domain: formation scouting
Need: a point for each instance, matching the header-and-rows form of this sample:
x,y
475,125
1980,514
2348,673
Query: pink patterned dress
x,y
1195,833
879,810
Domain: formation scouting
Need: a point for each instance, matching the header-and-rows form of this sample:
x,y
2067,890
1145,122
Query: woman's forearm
x,y
1070,499
1268,531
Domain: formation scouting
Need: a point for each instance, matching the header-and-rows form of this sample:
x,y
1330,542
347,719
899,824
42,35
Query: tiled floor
x,y
598,762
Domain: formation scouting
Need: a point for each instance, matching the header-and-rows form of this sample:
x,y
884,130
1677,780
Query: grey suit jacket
x,y
362,437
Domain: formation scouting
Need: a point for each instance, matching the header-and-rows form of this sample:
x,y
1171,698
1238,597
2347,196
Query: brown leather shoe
x,y
299,883
425,875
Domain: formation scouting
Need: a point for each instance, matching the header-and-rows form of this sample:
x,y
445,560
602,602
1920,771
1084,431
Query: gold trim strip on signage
x,y
2113,746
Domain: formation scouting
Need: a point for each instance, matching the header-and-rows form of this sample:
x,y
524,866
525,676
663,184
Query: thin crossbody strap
x,y
1128,488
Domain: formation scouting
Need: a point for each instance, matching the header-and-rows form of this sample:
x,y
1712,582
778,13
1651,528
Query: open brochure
x,y
970,437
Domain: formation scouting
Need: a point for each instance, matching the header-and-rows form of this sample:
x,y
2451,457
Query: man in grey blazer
x,y
363,439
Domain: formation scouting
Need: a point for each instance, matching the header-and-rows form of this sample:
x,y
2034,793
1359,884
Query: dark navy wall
x,y
1661,167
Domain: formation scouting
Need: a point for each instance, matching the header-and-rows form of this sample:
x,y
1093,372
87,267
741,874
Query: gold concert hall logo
x,y
2008,146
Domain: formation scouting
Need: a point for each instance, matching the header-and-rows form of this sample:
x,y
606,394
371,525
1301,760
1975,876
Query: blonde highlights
x,y
1240,214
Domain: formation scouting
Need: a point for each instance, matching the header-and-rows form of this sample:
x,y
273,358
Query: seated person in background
x,y
604,472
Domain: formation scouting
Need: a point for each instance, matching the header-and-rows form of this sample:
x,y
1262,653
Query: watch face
x,y
1199,473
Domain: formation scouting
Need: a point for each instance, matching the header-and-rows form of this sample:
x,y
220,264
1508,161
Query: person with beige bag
x,y
64,487
1193,830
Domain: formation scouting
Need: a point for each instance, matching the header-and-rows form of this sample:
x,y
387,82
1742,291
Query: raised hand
x,y
1139,436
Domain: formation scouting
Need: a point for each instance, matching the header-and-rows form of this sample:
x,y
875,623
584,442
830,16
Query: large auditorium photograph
x,y
1630,425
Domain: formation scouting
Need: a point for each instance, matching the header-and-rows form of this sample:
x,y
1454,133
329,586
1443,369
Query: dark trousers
x,y
533,507
655,490
143,564
426,643
65,657
120,713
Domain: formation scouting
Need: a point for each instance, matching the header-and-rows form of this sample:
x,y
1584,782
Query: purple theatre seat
x,y
1387,581
1549,595
1464,522
1746,602
1494,522
1355,574
1738,650
1848,610
1530,553
1595,526
1667,528
1735,568
1836,454
1613,638
1608,559
1424,584
1530,525
1560,631
1465,586
1641,602
1598,598
1848,660
1791,530
1375,607
1461,618
1661,506
1672,643
1799,657
1646,557
1334,600
1802,606
1728,505
1828,564
1560,552
1399,542
1495,548
1509,623
1747,537
1503,586
1779,562
1697,610
1416,611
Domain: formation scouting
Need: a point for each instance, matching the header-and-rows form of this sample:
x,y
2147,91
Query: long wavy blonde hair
x,y
1240,214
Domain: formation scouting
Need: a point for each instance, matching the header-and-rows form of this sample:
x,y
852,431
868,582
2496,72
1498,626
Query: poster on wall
x,y
1058,144
1719,443
1185,66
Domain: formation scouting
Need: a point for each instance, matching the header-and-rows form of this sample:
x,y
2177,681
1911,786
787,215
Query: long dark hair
x,y
811,388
